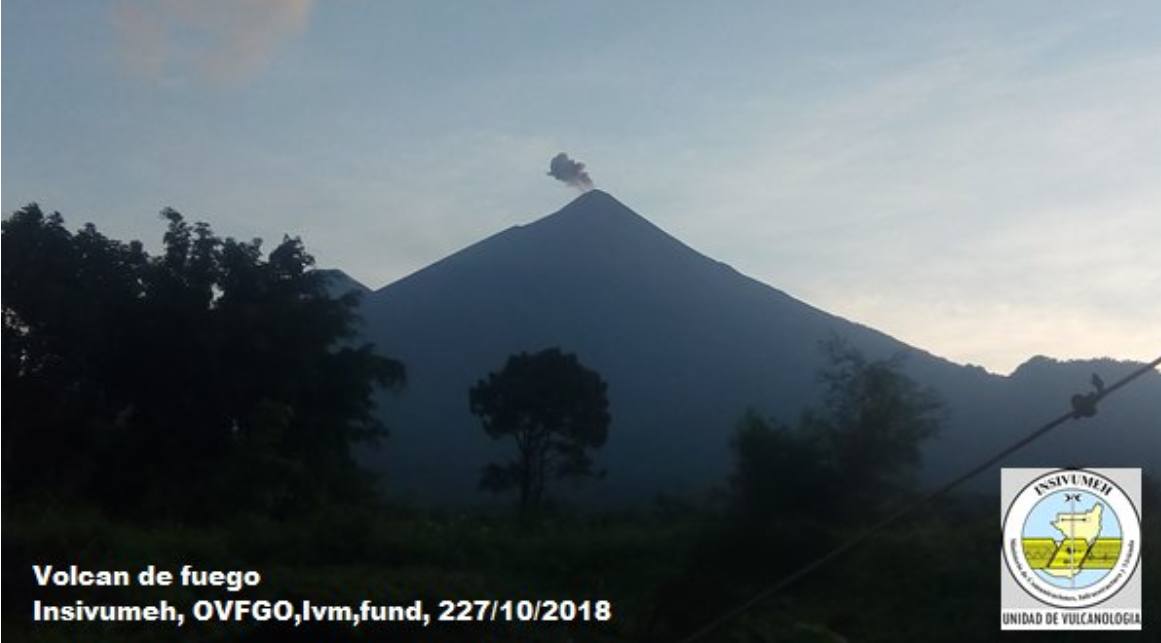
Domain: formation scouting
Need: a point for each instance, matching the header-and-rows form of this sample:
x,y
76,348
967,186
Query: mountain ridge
x,y
686,343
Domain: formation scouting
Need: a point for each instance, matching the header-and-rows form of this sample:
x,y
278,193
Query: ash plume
x,y
571,172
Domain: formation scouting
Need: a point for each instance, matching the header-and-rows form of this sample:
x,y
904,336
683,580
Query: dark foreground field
x,y
665,573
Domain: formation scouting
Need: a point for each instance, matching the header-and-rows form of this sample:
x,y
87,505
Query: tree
x,y
554,408
65,298
206,376
852,456
873,423
779,473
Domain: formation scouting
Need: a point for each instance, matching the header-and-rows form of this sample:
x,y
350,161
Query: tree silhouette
x,y
554,408
875,419
779,473
206,376
851,457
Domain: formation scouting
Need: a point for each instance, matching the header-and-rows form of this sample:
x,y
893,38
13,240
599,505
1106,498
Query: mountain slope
x,y
339,283
686,345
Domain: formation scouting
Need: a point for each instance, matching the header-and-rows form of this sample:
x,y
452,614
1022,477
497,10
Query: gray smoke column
x,y
572,172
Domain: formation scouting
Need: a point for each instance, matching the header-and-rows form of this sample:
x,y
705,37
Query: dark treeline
x,y
202,406
207,378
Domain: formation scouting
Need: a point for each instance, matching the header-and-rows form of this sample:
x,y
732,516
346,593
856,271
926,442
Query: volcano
x,y
686,345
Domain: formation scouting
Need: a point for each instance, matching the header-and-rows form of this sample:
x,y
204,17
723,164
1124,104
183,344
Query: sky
x,y
978,179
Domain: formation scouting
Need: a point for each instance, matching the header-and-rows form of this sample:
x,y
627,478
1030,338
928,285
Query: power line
x,y
1082,406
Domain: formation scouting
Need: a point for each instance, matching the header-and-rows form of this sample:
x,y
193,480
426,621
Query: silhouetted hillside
x,y
685,343
340,283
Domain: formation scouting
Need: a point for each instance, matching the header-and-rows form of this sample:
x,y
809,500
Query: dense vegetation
x,y
200,407
206,379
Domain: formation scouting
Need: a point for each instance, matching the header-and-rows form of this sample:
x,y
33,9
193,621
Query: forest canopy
x,y
207,377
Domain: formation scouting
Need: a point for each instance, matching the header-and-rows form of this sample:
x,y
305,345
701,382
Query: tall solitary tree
x,y
555,409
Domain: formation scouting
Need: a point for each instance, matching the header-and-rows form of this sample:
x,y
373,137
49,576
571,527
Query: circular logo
x,y
1072,538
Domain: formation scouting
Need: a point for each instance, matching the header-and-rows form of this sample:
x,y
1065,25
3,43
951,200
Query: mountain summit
x,y
686,344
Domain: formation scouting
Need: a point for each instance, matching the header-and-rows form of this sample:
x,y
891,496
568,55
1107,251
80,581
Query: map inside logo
x,y
1072,538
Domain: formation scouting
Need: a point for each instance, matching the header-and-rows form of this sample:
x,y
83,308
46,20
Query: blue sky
x,y
979,179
